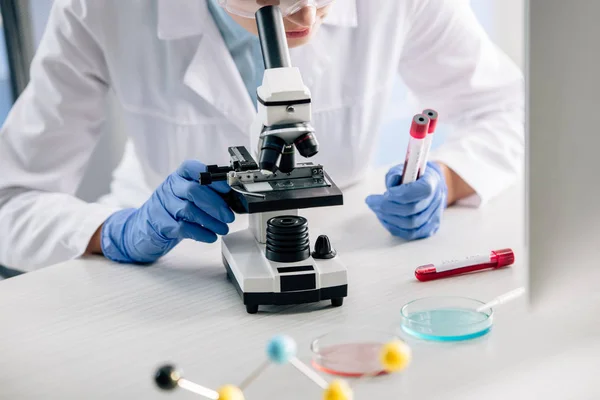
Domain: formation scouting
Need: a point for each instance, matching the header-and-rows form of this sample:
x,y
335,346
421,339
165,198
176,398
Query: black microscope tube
x,y
272,36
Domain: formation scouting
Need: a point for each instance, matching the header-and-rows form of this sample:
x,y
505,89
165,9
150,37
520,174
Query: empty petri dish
x,y
350,352
445,319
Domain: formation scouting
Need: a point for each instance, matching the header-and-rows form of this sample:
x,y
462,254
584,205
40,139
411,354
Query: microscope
x,y
271,262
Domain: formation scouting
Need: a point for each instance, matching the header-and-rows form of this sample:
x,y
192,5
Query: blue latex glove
x,y
179,209
413,210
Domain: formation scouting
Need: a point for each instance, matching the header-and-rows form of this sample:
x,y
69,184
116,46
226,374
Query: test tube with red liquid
x,y
495,259
416,146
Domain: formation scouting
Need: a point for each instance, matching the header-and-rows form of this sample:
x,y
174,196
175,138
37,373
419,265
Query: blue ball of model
x,y
281,349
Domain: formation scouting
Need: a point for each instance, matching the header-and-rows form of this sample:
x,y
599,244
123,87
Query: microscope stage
x,y
261,281
275,200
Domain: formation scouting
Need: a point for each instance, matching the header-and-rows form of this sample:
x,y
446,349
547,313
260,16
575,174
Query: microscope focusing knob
x,y
323,249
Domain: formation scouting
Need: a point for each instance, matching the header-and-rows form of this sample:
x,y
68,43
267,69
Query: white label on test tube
x,y
414,153
433,117
476,259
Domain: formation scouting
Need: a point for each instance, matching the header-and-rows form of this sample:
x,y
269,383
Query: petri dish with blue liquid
x,y
446,319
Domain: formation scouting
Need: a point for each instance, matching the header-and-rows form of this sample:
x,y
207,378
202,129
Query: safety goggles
x,y
248,8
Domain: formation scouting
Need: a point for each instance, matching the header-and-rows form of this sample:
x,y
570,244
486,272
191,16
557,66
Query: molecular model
x,y
394,357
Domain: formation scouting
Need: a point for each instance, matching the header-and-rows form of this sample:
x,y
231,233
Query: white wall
x,y
562,166
507,28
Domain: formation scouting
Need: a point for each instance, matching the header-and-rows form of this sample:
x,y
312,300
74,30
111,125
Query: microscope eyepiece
x,y
270,152
307,145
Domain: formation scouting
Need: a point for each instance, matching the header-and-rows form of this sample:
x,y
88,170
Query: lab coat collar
x,y
213,75
182,18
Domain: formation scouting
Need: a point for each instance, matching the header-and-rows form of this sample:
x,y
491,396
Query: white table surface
x,y
96,330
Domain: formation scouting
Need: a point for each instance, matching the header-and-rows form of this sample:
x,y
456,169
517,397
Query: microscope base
x,y
260,281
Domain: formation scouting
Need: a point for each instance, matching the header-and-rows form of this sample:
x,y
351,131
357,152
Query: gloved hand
x,y
180,208
412,210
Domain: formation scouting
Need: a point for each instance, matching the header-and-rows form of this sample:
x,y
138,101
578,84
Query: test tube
x,y
416,146
433,118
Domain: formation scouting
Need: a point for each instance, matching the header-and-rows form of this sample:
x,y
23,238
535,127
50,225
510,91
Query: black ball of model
x,y
167,377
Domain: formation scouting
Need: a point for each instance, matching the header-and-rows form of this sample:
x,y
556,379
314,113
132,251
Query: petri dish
x,y
446,319
350,353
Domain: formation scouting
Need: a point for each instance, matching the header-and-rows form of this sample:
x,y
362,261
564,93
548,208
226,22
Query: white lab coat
x,y
182,97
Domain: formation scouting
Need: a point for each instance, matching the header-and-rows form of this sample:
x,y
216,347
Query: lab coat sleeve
x,y
449,64
46,143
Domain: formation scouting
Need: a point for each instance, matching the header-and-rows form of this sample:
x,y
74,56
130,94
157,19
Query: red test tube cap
x,y
433,119
505,257
419,126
